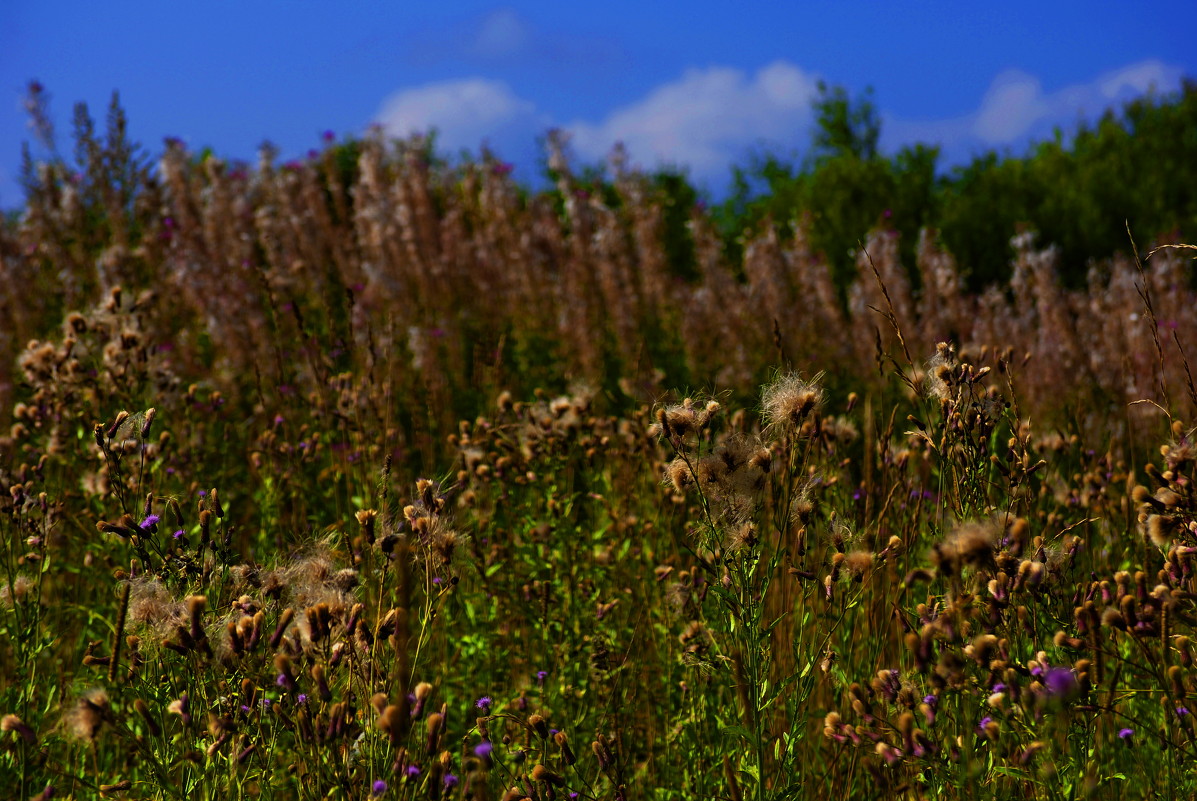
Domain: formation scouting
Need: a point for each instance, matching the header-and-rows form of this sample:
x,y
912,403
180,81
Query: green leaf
x,y
737,731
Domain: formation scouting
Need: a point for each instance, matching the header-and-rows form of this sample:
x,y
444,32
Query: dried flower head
x,y
789,400
683,419
16,592
89,714
679,475
971,544
15,724
940,371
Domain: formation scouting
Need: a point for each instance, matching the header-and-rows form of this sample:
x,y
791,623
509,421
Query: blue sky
x,y
695,83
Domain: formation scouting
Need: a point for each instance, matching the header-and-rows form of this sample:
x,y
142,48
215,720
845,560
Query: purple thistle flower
x,y
149,522
541,675
178,535
483,750
985,721
1059,682
1181,711
1126,734
379,787
450,781
301,699
483,703
412,771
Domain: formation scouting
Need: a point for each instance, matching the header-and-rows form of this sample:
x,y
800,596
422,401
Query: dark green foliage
x,y
844,128
1136,165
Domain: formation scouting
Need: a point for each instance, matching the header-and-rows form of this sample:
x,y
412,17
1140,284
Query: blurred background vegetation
x,y
1136,165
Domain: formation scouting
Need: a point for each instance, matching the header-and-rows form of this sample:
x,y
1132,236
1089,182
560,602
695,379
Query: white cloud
x,y
1016,105
1138,79
707,119
504,38
500,33
1016,109
464,113
1012,105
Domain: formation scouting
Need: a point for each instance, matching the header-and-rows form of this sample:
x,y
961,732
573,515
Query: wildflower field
x,y
386,478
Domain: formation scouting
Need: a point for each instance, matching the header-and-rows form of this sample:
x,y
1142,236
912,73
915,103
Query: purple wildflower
x,y
450,781
483,703
301,699
541,675
412,771
379,787
483,750
1060,682
149,522
1126,734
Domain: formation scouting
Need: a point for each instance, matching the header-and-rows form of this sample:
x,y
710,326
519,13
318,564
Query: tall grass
x,y
332,480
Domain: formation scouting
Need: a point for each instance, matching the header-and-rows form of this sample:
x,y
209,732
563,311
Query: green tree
x,y
844,127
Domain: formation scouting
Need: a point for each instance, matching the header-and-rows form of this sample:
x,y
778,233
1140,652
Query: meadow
x,y
392,479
